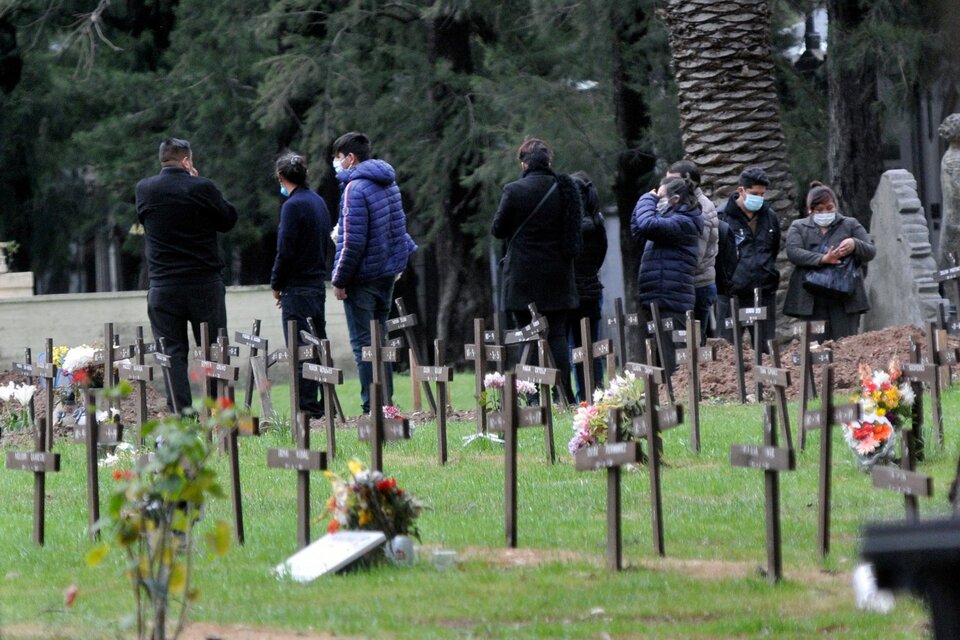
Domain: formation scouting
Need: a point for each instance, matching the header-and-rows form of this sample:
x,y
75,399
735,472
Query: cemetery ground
x,y
555,584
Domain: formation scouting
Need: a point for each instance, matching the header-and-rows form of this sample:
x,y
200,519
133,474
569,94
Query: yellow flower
x,y
881,412
355,466
365,517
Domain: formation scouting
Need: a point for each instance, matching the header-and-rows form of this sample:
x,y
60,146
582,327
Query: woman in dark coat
x,y
822,238
670,223
586,267
539,216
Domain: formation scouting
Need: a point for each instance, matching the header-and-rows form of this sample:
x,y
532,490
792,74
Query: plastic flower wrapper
x,y
624,392
872,440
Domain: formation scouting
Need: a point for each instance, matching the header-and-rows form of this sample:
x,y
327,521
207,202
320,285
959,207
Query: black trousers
x,y
556,339
298,304
170,309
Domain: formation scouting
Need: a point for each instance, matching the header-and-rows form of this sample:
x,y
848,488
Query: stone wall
x,y
72,319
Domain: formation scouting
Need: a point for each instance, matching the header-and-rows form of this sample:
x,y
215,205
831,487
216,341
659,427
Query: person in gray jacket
x,y
705,276
825,237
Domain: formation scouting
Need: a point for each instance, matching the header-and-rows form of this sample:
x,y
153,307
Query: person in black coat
x,y
539,217
181,214
756,231
669,222
586,267
819,240
300,267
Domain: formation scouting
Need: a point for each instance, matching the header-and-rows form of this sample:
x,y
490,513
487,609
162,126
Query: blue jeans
x,y
705,298
365,302
300,303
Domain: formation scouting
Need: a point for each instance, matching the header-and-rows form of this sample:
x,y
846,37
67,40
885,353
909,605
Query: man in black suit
x,y
181,214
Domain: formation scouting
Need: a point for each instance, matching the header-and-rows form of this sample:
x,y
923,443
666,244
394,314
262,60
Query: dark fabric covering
x,y
587,265
538,265
301,241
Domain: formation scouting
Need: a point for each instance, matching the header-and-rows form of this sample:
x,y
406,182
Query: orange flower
x,y
223,402
80,376
70,595
117,474
881,432
334,526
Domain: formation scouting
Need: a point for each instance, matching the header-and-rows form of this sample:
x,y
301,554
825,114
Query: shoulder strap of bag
x,y
534,212
826,238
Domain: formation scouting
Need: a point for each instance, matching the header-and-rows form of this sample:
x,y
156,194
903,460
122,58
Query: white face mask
x,y
662,205
824,219
337,165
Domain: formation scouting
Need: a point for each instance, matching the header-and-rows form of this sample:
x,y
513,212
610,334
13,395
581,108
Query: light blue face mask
x,y
752,202
824,219
284,192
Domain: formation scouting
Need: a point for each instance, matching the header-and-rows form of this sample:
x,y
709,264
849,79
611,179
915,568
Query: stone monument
x,y
899,280
950,185
13,284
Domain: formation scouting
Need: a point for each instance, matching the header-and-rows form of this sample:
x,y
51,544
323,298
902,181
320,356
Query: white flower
x,y
6,391
102,416
907,396
78,358
24,393
493,380
881,377
597,395
526,387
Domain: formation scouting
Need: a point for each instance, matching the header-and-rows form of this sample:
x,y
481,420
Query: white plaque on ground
x,y
328,554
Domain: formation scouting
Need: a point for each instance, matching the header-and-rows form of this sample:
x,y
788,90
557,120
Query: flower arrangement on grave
x,y
153,508
15,399
370,501
886,406
491,398
625,392
391,412
78,368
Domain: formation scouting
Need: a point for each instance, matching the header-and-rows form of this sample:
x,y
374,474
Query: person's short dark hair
x,y
292,168
686,169
174,150
354,142
535,153
683,187
588,192
753,176
820,194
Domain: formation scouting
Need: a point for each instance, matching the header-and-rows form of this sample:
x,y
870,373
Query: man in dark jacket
x,y
372,247
539,215
756,230
181,214
670,223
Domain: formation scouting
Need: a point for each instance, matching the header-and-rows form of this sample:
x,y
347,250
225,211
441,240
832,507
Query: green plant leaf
x,y
96,555
219,538
178,578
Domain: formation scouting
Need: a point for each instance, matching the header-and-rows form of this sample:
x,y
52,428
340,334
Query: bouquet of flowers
x,y
886,406
78,367
625,392
16,418
369,501
492,395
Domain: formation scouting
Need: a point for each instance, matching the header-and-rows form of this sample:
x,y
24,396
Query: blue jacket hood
x,y
374,170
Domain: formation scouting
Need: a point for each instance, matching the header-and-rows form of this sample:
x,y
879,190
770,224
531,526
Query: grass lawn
x,y
554,585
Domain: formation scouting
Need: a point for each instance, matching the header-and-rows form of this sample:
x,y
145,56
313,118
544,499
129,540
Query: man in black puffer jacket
x,y
756,230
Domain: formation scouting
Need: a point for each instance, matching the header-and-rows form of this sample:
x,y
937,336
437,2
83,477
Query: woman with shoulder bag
x,y
829,252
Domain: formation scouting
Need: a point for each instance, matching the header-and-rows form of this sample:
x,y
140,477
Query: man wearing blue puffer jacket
x,y
670,223
372,246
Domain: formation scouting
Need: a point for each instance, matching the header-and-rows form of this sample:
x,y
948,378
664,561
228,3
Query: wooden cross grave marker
x,y
293,355
536,332
487,353
140,374
165,363
48,373
585,355
772,459
824,419
654,420
659,328
377,429
779,379
806,359
406,322
950,275
325,357
329,377
740,318
611,456
904,480
379,354
303,460
218,373
619,324
256,370
441,375
692,355
513,419
919,372
537,416
40,462
92,434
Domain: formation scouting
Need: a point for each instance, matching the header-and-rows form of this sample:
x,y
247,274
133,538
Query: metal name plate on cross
x,y
39,462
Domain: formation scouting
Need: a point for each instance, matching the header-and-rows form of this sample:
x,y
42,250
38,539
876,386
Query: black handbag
x,y
835,281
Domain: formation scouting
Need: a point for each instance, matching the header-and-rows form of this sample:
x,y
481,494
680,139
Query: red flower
x,y
223,402
334,526
864,431
386,484
80,376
